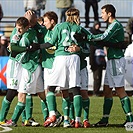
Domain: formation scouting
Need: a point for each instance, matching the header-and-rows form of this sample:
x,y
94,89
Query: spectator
x,y
88,4
3,46
97,62
128,51
1,12
63,6
35,5
129,29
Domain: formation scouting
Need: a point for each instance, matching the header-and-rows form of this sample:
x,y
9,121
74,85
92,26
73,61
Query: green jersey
x,y
29,60
41,32
47,58
14,38
84,52
114,33
14,32
63,37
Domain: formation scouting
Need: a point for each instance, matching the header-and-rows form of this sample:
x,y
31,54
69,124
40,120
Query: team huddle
x,y
43,58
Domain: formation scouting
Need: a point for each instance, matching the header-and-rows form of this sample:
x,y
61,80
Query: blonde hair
x,y
72,16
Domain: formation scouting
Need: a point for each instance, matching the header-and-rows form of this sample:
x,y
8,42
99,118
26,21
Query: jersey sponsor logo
x,y
51,50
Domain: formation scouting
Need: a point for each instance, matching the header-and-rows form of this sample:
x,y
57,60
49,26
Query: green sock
x,y
44,109
17,112
27,112
4,109
71,111
50,98
108,102
29,106
86,104
58,114
65,107
126,105
77,105
23,114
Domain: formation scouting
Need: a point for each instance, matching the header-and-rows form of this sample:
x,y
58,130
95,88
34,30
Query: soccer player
x,y
50,20
13,79
114,76
31,74
84,52
66,67
41,31
12,82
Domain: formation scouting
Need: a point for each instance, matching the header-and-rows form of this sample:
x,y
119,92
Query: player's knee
x,y
11,94
52,88
76,91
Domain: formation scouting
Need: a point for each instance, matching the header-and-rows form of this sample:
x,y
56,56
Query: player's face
x,y
21,29
48,23
104,15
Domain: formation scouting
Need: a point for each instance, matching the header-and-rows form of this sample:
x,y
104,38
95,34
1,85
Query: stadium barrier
x,y
128,74
3,64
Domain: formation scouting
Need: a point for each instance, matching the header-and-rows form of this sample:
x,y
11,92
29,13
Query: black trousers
x,y
97,79
94,5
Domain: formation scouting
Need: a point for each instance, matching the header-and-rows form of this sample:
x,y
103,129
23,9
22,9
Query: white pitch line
x,y
6,129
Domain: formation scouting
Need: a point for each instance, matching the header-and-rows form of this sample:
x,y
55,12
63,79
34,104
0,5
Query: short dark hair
x,y
109,8
51,15
22,21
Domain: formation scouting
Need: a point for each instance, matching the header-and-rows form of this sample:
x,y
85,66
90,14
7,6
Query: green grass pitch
x,y
117,117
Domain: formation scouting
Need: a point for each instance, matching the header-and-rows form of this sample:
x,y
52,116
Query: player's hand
x,y
29,12
33,47
73,48
80,37
9,47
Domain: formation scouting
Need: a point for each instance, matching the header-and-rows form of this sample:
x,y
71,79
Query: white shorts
x,y
66,71
31,83
46,75
115,71
13,74
84,79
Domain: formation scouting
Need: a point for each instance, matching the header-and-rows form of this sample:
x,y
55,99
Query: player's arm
x,y
15,48
119,45
82,37
45,45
